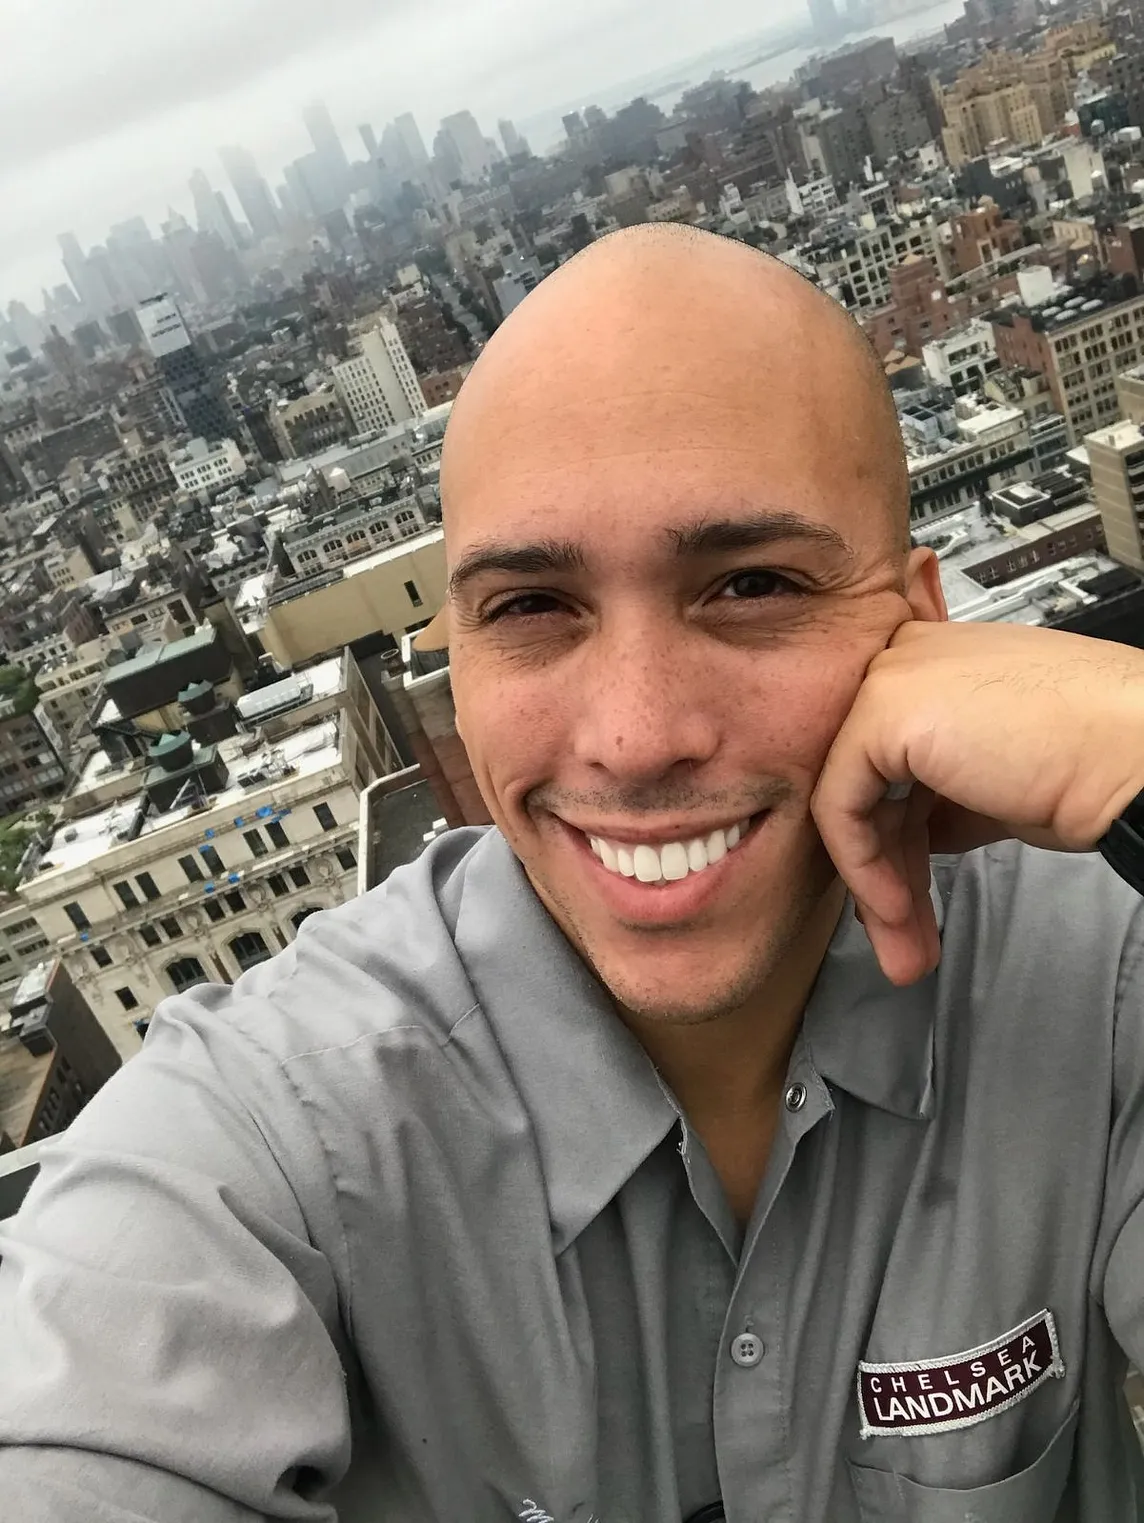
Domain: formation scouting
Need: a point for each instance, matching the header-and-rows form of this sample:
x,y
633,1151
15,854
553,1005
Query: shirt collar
x,y
597,1106
594,1099
866,1035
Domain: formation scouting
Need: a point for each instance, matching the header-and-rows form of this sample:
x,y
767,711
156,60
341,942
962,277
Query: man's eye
x,y
756,583
524,606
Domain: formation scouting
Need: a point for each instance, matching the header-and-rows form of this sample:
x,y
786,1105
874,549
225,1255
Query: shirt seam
x,y
280,1066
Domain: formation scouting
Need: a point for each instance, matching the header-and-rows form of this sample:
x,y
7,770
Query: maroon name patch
x,y
937,1395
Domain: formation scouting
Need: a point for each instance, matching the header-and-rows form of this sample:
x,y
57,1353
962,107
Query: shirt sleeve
x,y
170,1340
1119,1260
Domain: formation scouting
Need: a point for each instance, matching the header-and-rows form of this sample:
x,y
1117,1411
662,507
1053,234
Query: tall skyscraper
x,y
824,17
369,140
201,402
513,142
327,144
468,141
252,191
407,130
88,280
378,387
209,215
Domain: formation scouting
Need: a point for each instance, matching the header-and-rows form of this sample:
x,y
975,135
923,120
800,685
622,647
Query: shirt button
x,y
747,1350
796,1097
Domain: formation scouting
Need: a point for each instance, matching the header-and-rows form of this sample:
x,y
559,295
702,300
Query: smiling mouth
x,y
654,862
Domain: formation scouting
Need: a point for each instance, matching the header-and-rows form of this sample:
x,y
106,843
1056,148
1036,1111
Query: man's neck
x,y
730,1069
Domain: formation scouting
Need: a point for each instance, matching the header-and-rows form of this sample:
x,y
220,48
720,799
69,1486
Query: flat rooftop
x,y
88,837
22,1076
1122,435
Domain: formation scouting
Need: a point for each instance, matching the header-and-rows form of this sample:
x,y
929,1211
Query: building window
x,y
75,914
212,859
101,957
412,593
347,858
126,998
277,885
298,920
192,869
214,910
253,839
325,817
149,936
147,885
171,927
235,902
127,895
299,877
249,949
277,834
185,972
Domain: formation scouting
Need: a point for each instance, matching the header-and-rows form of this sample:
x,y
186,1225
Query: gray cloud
x,y
106,108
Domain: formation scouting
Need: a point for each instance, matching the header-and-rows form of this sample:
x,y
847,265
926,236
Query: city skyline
x,y
117,129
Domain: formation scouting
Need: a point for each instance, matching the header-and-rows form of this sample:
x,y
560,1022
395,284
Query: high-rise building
x,y
514,144
200,401
407,130
328,148
378,386
1079,343
369,140
87,279
824,17
468,142
252,191
209,210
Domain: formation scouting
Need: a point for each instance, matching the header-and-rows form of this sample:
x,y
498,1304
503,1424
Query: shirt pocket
x,y
1031,1496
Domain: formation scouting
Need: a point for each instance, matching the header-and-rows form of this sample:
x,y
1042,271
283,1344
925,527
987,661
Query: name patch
x,y
938,1395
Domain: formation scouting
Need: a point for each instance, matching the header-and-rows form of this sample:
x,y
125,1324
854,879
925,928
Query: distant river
x,y
737,60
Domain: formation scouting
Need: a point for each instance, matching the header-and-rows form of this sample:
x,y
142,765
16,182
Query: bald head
x,y
705,342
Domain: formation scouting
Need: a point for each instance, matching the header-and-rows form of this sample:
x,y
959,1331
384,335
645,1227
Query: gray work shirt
x,y
409,1214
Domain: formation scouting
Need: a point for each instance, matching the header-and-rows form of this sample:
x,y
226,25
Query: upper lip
x,y
676,830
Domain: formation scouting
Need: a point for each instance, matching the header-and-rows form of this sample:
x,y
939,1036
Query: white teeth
x,y
648,866
672,861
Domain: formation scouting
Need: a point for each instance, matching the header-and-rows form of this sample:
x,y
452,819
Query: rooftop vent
x,y
172,752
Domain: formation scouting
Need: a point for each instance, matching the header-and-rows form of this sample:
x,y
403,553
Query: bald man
x,y
751,1123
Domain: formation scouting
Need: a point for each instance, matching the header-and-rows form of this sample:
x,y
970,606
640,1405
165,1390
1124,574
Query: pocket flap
x,y
1031,1496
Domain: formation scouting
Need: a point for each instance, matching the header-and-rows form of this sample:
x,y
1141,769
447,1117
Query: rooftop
x,y
82,840
1119,436
303,751
159,652
1070,304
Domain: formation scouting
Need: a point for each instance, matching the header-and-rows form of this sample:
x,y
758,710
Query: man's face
x,y
672,566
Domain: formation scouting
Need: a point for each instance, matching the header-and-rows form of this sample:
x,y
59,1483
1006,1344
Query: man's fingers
x,y
860,828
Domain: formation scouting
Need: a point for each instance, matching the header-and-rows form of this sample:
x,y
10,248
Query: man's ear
x,y
923,587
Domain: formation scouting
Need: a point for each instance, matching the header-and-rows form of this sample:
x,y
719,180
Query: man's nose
x,y
646,705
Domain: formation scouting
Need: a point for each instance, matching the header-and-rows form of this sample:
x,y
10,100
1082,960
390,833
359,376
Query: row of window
x,y
146,886
248,949
233,902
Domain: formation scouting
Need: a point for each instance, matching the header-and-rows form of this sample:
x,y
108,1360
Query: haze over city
x,y
104,113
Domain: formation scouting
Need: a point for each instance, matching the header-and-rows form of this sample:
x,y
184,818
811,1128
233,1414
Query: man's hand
x,y
1004,732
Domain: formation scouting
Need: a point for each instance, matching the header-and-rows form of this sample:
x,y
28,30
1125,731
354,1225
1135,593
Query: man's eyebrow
x,y
711,536
542,558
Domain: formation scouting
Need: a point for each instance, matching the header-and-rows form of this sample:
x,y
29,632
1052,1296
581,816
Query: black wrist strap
x,y
1123,846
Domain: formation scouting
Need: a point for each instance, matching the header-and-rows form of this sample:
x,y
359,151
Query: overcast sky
x,y
107,105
